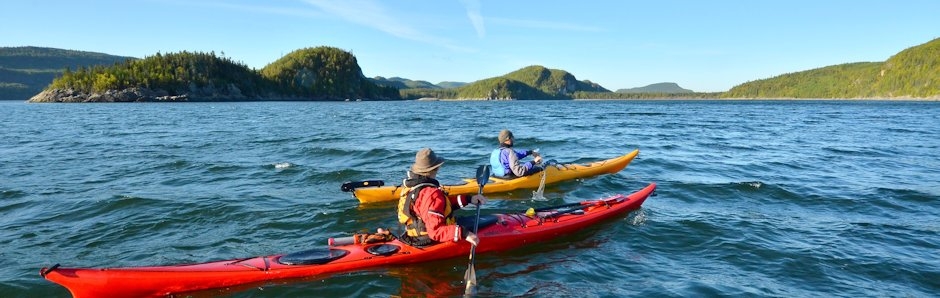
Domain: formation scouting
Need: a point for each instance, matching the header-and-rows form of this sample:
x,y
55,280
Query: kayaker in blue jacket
x,y
506,160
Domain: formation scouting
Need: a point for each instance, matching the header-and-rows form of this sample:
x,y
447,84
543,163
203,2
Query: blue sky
x,y
701,45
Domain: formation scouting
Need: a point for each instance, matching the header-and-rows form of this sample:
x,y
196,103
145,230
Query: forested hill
x,y
25,71
911,73
532,82
322,73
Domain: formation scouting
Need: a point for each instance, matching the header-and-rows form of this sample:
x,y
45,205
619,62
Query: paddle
x,y
470,277
352,185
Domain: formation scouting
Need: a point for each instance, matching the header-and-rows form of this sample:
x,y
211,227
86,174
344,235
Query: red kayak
x,y
497,232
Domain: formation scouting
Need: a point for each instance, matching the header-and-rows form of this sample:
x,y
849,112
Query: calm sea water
x,y
755,198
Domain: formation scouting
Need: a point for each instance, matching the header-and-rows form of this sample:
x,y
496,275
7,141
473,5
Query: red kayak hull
x,y
510,231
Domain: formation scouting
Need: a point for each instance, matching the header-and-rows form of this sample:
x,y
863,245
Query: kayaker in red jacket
x,y
426,211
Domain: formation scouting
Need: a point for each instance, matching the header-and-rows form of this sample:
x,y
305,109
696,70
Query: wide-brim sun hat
x,y
426,161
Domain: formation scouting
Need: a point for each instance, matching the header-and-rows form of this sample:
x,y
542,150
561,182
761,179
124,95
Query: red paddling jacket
x,y
428,213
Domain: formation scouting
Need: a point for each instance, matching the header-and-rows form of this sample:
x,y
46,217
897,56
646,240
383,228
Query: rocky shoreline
x,y
141,94
126,95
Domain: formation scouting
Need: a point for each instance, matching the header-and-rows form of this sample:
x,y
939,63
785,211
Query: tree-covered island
x,y
321,73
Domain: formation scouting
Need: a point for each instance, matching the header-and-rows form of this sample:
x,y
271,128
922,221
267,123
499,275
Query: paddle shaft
x,y
476,224
558,207
470,277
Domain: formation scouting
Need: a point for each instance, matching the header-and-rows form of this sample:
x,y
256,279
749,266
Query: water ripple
x,y
755,198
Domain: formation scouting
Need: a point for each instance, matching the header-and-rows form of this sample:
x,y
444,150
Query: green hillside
x,y
553,83
502,88
852,80
25,71
324,73
532,82
912,73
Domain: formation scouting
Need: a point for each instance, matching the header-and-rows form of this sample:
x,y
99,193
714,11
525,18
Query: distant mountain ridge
x,y
25,71
446,84
657,88
402,83
52,58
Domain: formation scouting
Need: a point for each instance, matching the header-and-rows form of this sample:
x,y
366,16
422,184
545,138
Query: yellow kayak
x,y
554,173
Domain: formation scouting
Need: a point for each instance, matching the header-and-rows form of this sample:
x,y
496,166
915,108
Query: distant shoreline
x,y
897,99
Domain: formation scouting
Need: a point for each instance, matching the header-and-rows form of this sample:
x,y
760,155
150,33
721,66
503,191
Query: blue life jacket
x,y
498,168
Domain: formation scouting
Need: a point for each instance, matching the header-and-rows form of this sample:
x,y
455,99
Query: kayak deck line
x,y
267,265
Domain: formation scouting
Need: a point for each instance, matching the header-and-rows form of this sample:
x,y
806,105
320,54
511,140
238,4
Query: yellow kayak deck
x,y
554,173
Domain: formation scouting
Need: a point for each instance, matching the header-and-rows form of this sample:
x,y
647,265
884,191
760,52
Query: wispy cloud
x,y
264,9
545,25
368,13
372,14
476,18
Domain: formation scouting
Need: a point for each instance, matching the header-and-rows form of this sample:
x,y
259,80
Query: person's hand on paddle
x,y
478,200
472,238
538,158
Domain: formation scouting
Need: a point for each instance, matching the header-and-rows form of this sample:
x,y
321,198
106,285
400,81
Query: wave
x,y
854,151
352,152
174,165
282,165
274,140
11,194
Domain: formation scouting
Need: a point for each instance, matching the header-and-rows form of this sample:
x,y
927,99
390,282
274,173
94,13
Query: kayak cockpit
x,y
316,256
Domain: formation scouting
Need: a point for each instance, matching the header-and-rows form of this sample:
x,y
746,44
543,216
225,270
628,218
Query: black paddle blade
x,y
352,185
483,175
